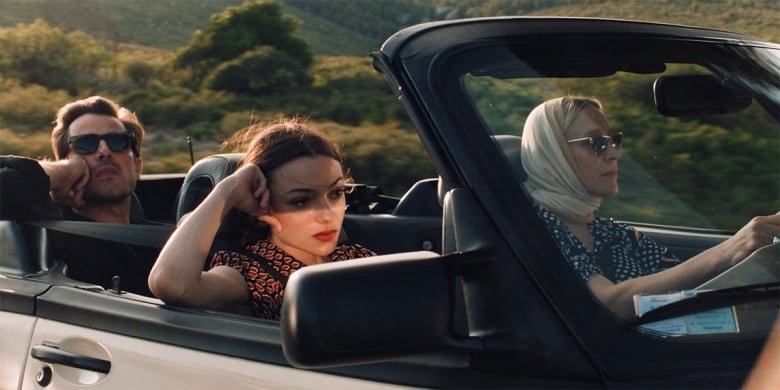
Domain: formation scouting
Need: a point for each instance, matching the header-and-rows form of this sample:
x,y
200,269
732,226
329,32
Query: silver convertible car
x,y
470,289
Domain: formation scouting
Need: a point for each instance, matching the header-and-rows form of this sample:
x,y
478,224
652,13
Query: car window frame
x,y
432,77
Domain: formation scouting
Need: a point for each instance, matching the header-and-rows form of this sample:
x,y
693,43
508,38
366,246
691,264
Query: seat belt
x,y
152,236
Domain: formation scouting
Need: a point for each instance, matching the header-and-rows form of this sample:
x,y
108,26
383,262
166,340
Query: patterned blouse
x,y
266,282
619,251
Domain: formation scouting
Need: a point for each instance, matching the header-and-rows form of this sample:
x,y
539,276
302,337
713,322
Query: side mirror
x,y
689,95
368,310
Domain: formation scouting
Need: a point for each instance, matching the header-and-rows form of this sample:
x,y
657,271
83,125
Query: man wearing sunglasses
x,y
97,150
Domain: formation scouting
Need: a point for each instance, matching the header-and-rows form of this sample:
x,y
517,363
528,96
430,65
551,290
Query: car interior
x,y
413,221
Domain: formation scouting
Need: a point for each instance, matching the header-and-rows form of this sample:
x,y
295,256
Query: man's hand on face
x,y
68,179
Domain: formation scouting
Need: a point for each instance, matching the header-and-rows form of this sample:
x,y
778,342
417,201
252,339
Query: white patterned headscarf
x,y
552,180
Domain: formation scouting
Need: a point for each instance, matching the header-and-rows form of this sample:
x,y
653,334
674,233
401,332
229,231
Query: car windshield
x,y
698,171
685,170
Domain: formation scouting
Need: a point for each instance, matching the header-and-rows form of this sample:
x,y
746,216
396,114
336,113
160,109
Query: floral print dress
x,y
266,268
620,252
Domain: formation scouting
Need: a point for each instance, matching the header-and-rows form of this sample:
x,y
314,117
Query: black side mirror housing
x,y
368,310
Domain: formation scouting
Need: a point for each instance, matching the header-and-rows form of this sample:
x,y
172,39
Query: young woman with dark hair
x,y
293,182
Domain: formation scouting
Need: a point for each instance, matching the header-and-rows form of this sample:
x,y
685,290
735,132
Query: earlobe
x,y
139,165
272,222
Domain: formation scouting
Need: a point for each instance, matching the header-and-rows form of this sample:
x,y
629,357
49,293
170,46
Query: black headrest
x,y
136,209
202,178
511,145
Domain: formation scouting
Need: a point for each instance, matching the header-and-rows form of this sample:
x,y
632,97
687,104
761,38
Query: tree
x,y
261,71
140,72
236,31
40,54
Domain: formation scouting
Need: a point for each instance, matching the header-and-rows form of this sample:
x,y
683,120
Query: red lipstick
x,y
326,235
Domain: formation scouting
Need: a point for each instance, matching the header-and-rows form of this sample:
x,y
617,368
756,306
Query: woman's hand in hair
x,y
248,190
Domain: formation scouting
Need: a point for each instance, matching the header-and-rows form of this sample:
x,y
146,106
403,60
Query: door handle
x,y
54,355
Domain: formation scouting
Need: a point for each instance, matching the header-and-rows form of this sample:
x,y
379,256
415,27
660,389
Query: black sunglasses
x,y
88,143
599,144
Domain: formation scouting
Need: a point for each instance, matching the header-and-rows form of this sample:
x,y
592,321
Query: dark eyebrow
x,y
308,190
335,182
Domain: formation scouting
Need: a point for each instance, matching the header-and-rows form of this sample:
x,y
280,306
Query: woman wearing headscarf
x,y
571,154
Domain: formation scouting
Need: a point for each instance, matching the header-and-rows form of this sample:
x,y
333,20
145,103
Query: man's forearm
x,y
24,189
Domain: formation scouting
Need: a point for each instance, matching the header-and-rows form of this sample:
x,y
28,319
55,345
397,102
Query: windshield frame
x,y
449,116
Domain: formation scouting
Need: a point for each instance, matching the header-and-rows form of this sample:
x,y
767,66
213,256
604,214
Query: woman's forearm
x,y
687,275
177,275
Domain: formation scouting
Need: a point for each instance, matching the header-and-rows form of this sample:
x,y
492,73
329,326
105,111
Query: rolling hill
x,y
356,27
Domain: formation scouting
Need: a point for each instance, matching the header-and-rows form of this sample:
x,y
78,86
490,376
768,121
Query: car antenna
x,y
192,156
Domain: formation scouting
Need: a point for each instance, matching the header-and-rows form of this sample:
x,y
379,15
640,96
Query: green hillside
x,y
169,24
130,59
328,37
759,18
165,24
376,20
356,27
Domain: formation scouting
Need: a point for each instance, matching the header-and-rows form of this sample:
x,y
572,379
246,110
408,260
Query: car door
x,y
17,330
143,364
87,339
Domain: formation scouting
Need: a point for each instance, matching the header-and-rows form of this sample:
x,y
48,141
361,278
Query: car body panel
x,y
146,364
17,330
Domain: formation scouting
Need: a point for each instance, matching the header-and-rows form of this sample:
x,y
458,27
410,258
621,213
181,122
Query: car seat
x,y
237,227
201,179
511,145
